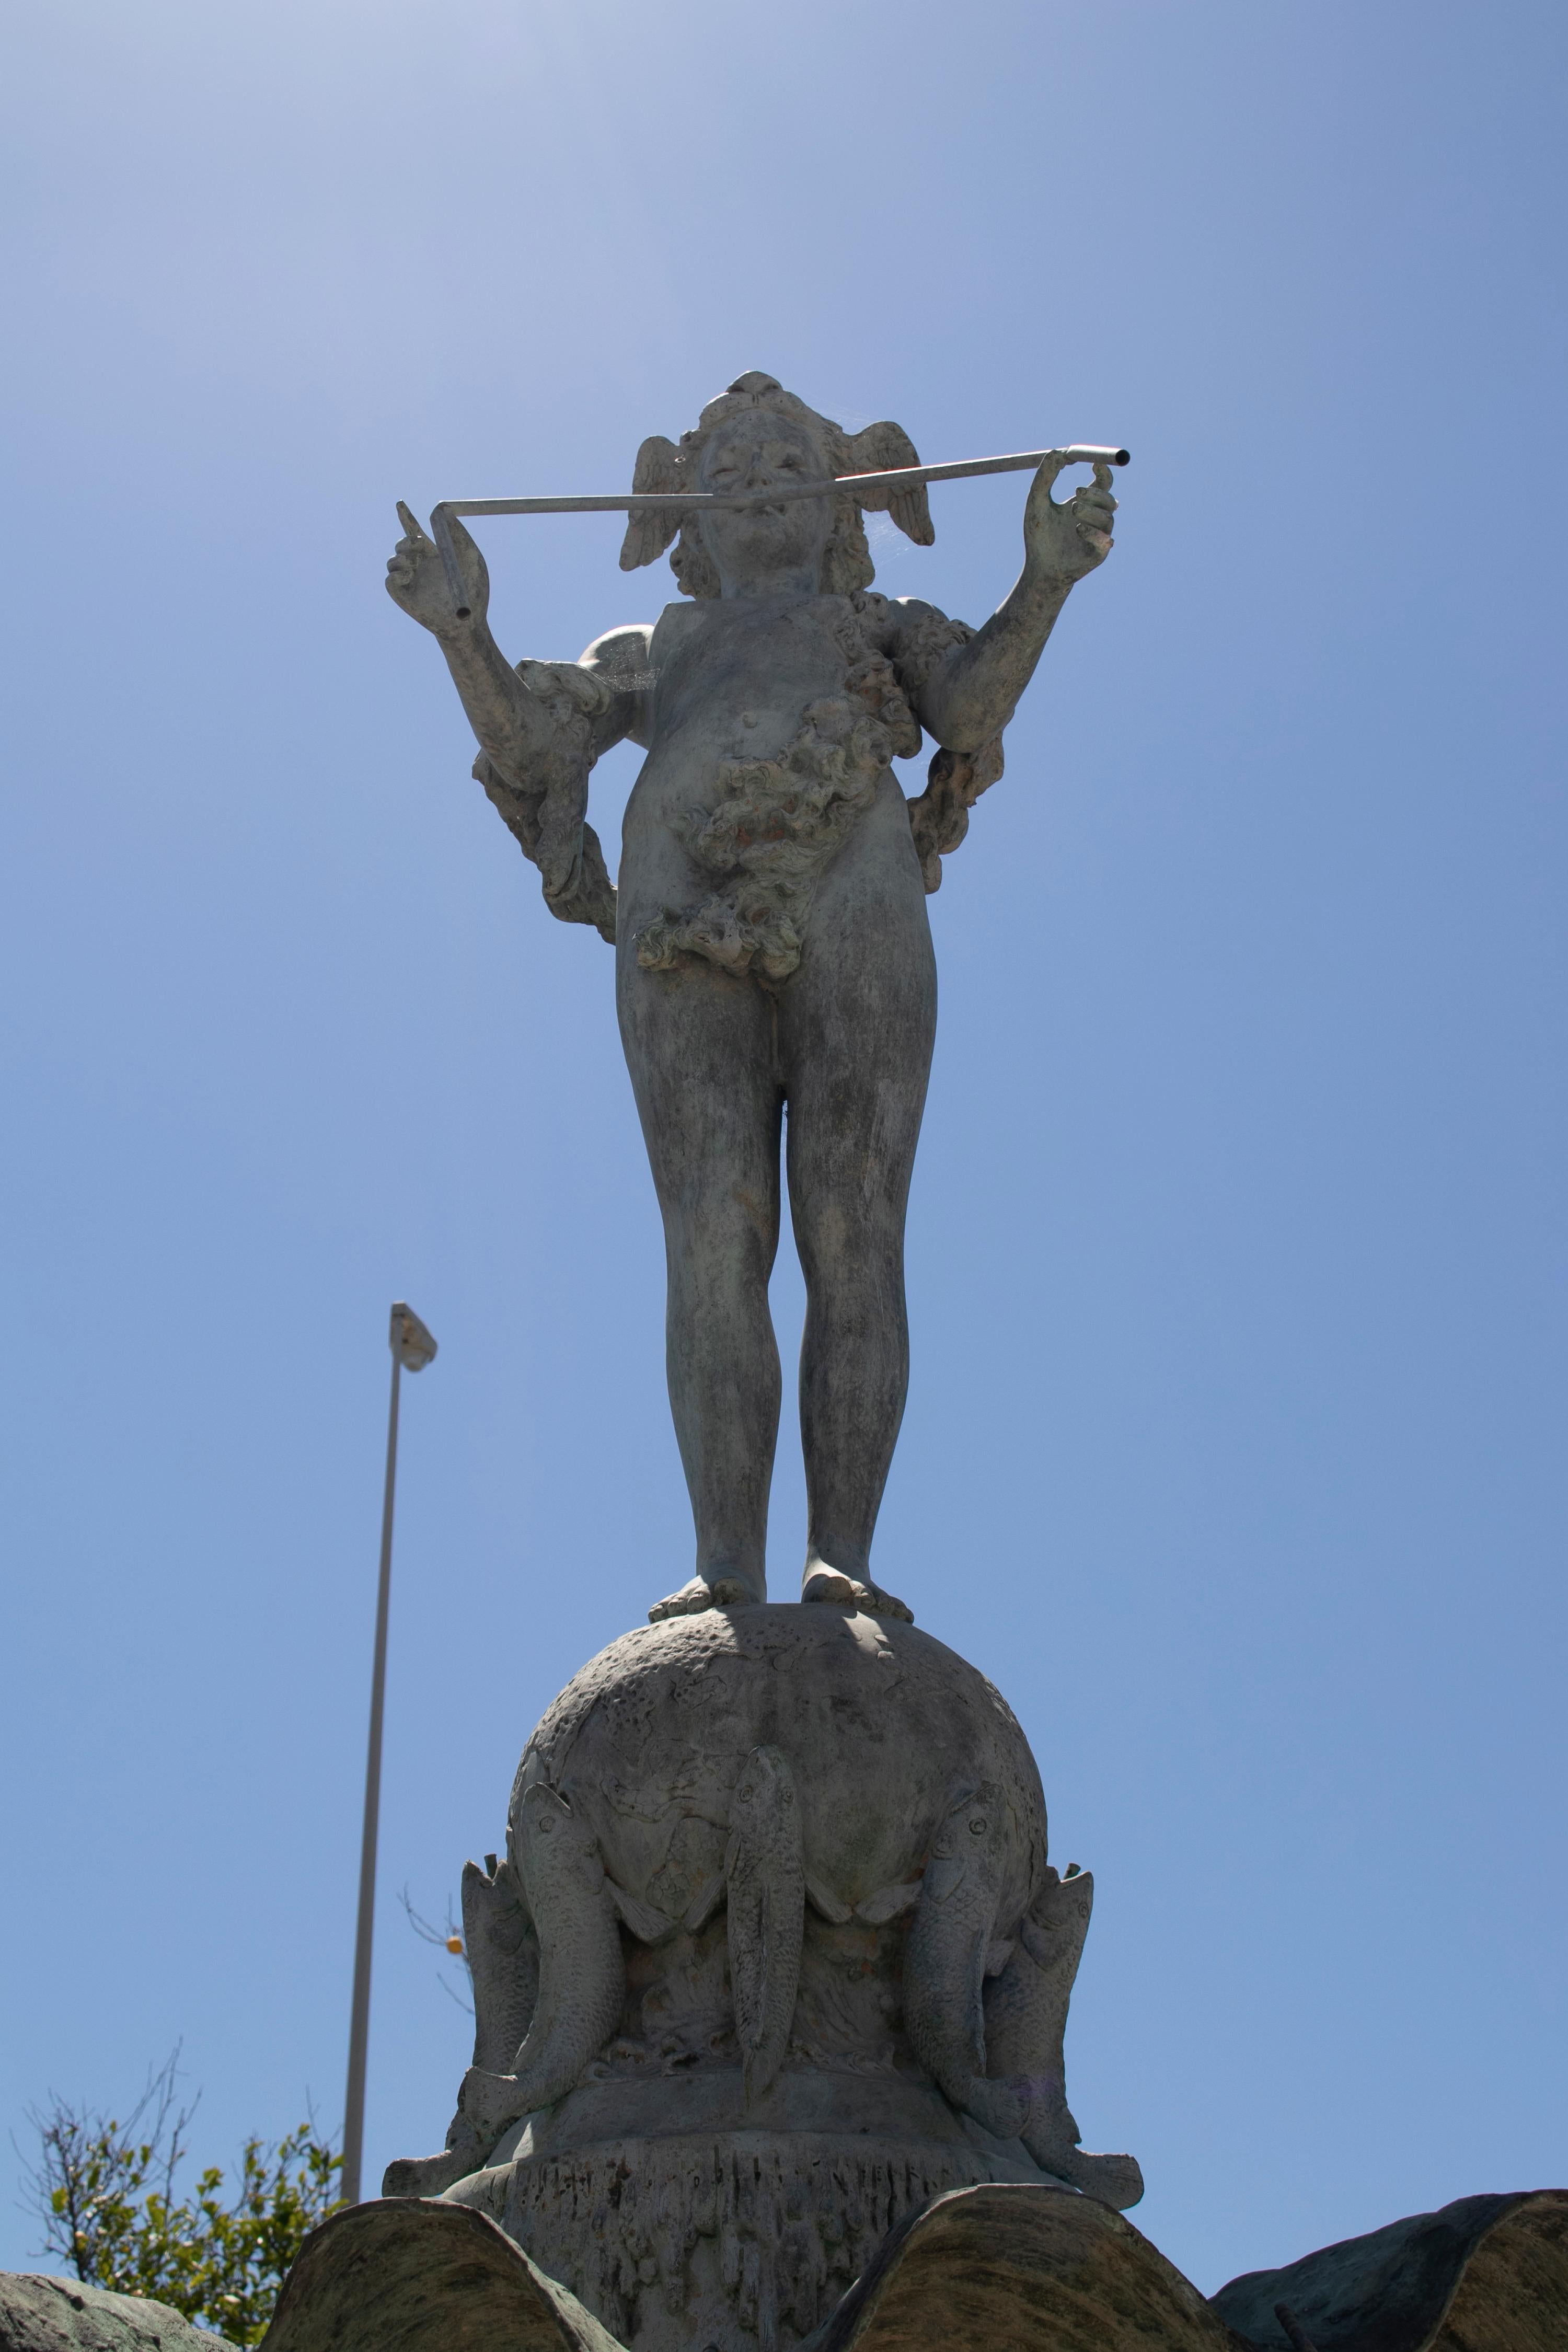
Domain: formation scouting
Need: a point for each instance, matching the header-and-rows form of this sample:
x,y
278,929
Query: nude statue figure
x,y
774,973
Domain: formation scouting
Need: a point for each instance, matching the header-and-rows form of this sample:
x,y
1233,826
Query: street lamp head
x,y
410,1341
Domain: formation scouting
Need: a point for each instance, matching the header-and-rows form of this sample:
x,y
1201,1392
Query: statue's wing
x,y
877,450
648,533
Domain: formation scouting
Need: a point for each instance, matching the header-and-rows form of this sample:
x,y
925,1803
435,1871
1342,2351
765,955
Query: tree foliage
x,y
105,2192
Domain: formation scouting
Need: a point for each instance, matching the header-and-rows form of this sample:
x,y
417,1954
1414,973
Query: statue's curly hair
x,y
661,465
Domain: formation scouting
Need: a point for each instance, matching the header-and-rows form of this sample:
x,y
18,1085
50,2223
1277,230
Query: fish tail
x,y
995,2106
759,2069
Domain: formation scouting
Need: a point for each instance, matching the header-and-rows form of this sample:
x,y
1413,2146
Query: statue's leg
x,y
699,1048
858,1023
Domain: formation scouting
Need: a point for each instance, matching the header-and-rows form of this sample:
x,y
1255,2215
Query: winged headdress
x,y
667,465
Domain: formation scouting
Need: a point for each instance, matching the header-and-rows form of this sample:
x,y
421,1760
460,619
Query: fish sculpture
x,y
765,1883
503,1953
1026,2021
576,1907
952,1948
551,1897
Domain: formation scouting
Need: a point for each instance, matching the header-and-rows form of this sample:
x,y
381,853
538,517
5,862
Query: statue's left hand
x,y
1064,543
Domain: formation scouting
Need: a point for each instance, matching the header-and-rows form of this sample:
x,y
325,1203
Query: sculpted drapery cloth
x,y
547,809
775,824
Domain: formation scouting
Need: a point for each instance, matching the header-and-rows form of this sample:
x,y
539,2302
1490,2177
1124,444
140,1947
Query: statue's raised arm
x,y
968,697
540,727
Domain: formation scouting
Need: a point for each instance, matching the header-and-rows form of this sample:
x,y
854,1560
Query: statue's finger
x,y
410,522
1101,475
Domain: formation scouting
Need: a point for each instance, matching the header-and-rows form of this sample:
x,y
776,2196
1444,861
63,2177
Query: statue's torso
x,y
731,678
773,727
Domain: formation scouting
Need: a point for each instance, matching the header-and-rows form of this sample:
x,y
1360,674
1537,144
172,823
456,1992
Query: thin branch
x,y
466,2006
448,1939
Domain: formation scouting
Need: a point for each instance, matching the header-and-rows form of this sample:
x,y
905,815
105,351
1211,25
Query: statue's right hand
x,y
416,578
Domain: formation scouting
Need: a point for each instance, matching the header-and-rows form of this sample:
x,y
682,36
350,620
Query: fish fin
x,y
889,1902
943,1876
1036,1943
997,1955
1054,1932
827,1906
648,1925
707,1902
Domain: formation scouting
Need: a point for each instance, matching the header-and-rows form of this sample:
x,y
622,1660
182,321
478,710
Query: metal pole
x,y
359,2025
882,486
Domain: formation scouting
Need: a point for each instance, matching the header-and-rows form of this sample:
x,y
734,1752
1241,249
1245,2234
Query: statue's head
x,y
752,436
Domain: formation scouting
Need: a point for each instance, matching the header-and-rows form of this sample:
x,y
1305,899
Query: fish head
x,y
764,1796
975,1830
553,1845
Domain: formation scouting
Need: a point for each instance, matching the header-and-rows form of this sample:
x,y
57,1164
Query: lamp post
x,y
412,1349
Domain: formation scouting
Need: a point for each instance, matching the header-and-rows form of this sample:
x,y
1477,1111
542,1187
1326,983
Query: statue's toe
x,y
876,1603
721,1592
841,1591
697,1594
827,1584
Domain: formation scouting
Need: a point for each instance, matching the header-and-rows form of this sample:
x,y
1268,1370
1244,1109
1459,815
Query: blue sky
x,y
1235,1246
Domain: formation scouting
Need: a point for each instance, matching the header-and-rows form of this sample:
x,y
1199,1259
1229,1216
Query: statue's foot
x,y
719,1592
848,1592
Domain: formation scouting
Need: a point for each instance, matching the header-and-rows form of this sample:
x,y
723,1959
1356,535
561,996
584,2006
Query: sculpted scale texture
x,y
952,1946
765,1890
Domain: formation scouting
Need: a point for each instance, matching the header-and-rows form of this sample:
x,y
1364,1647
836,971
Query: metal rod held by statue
x,y
898,477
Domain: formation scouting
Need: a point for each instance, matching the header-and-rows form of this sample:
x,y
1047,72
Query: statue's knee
x,y
850,1251
727,1241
